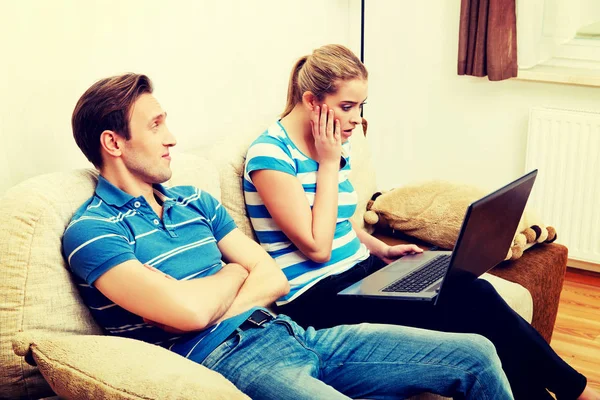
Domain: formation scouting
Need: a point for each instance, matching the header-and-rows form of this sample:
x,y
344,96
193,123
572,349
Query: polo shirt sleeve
x,y
220,220
270,153
92,247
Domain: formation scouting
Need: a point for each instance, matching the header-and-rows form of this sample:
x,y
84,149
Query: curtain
x,y
487,42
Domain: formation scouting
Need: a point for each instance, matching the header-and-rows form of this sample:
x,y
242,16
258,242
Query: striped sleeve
x,y
220,220
268,152
93,247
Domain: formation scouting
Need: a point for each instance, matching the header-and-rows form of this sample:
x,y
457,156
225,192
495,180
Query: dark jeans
x,y
529,362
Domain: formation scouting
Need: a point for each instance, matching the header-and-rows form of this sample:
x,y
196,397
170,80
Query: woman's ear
x,y
110,142
309,100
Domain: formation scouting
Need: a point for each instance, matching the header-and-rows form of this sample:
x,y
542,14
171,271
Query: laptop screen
x,y
488,229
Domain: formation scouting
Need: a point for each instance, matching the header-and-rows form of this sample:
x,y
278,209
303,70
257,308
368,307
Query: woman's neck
x,y
297,126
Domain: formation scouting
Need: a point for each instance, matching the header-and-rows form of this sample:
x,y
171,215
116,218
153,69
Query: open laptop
x,y
485,236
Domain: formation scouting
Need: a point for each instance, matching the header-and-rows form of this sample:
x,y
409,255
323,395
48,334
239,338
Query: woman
x,y
300,200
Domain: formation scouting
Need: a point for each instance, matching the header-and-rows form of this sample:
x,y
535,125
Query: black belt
x,y
255,320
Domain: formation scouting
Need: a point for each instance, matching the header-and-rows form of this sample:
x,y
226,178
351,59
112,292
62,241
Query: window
x,y
559,41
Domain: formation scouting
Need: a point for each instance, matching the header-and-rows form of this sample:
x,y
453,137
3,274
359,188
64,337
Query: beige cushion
x,y
431,211
36,292
189,169
77,367
230,156
362,175
515,295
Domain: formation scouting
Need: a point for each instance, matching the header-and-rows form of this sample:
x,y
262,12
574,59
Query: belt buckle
x,y
260,319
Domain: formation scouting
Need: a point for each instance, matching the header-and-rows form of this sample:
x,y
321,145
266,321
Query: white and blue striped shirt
x,y
274,150
113,227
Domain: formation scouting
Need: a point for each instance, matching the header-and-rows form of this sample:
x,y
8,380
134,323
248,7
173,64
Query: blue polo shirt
x,y
113,227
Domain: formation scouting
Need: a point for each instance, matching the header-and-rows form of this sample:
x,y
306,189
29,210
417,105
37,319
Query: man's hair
x,y
106,105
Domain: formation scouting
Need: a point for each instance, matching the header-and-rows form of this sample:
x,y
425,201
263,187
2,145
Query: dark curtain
x,y
487,42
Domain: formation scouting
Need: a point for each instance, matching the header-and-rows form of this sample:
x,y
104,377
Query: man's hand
x,y
238,269
395,252
230,268
265,281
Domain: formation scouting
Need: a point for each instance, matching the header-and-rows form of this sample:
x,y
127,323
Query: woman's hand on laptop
x,y
395,252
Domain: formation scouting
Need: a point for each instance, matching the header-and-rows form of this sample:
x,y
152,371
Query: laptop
x,y
485,236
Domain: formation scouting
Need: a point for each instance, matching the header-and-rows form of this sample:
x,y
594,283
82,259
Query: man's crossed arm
x,y
252,278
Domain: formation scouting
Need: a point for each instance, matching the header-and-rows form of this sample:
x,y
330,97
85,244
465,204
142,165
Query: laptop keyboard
x,y
419,279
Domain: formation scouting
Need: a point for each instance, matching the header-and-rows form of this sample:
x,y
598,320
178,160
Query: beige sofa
x,y
42,319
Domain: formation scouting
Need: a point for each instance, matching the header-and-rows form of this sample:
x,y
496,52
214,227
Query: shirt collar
x,y
110,194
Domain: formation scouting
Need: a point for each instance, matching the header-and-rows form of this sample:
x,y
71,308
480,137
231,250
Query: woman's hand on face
x,y
395,252
326,131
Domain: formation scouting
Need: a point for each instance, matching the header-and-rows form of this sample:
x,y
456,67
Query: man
x,y
148,260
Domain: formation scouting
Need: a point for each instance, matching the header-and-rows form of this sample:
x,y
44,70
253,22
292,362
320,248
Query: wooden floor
x,y
576,335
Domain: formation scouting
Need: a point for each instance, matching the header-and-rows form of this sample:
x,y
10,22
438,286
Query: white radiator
x,y
565,146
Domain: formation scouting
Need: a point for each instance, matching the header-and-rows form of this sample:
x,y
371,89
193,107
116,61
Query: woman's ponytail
x,y
294,95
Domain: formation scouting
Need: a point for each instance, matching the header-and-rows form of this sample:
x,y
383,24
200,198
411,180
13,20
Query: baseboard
x,y
588,266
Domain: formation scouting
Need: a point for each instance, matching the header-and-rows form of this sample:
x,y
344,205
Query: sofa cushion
x,y
515,295
362,175
36,292
432,211
108,367
229,157
197,171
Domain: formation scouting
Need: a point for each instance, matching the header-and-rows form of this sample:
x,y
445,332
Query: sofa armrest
x,y
541,270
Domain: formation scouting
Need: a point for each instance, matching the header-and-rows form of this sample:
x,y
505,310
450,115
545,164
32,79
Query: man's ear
x,y
309,100
111,143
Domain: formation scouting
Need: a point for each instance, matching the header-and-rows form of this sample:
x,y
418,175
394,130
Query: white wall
x,y
427,122
218,66
222,66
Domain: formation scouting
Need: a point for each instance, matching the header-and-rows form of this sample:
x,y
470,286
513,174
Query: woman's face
x,y
347,104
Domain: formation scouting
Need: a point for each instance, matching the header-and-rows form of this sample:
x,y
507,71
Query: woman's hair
x,y
106,105
320,72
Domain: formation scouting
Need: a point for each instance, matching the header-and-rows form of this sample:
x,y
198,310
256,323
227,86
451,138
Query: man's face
x,y
146,153
347,104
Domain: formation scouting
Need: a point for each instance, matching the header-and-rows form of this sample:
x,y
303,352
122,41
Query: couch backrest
x,y
229,157
362,174
36,292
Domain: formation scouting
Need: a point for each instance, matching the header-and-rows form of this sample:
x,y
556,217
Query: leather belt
x,y
257,319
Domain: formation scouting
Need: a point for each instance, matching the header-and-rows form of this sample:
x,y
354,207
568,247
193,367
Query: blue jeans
x,y
281,360
530,364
